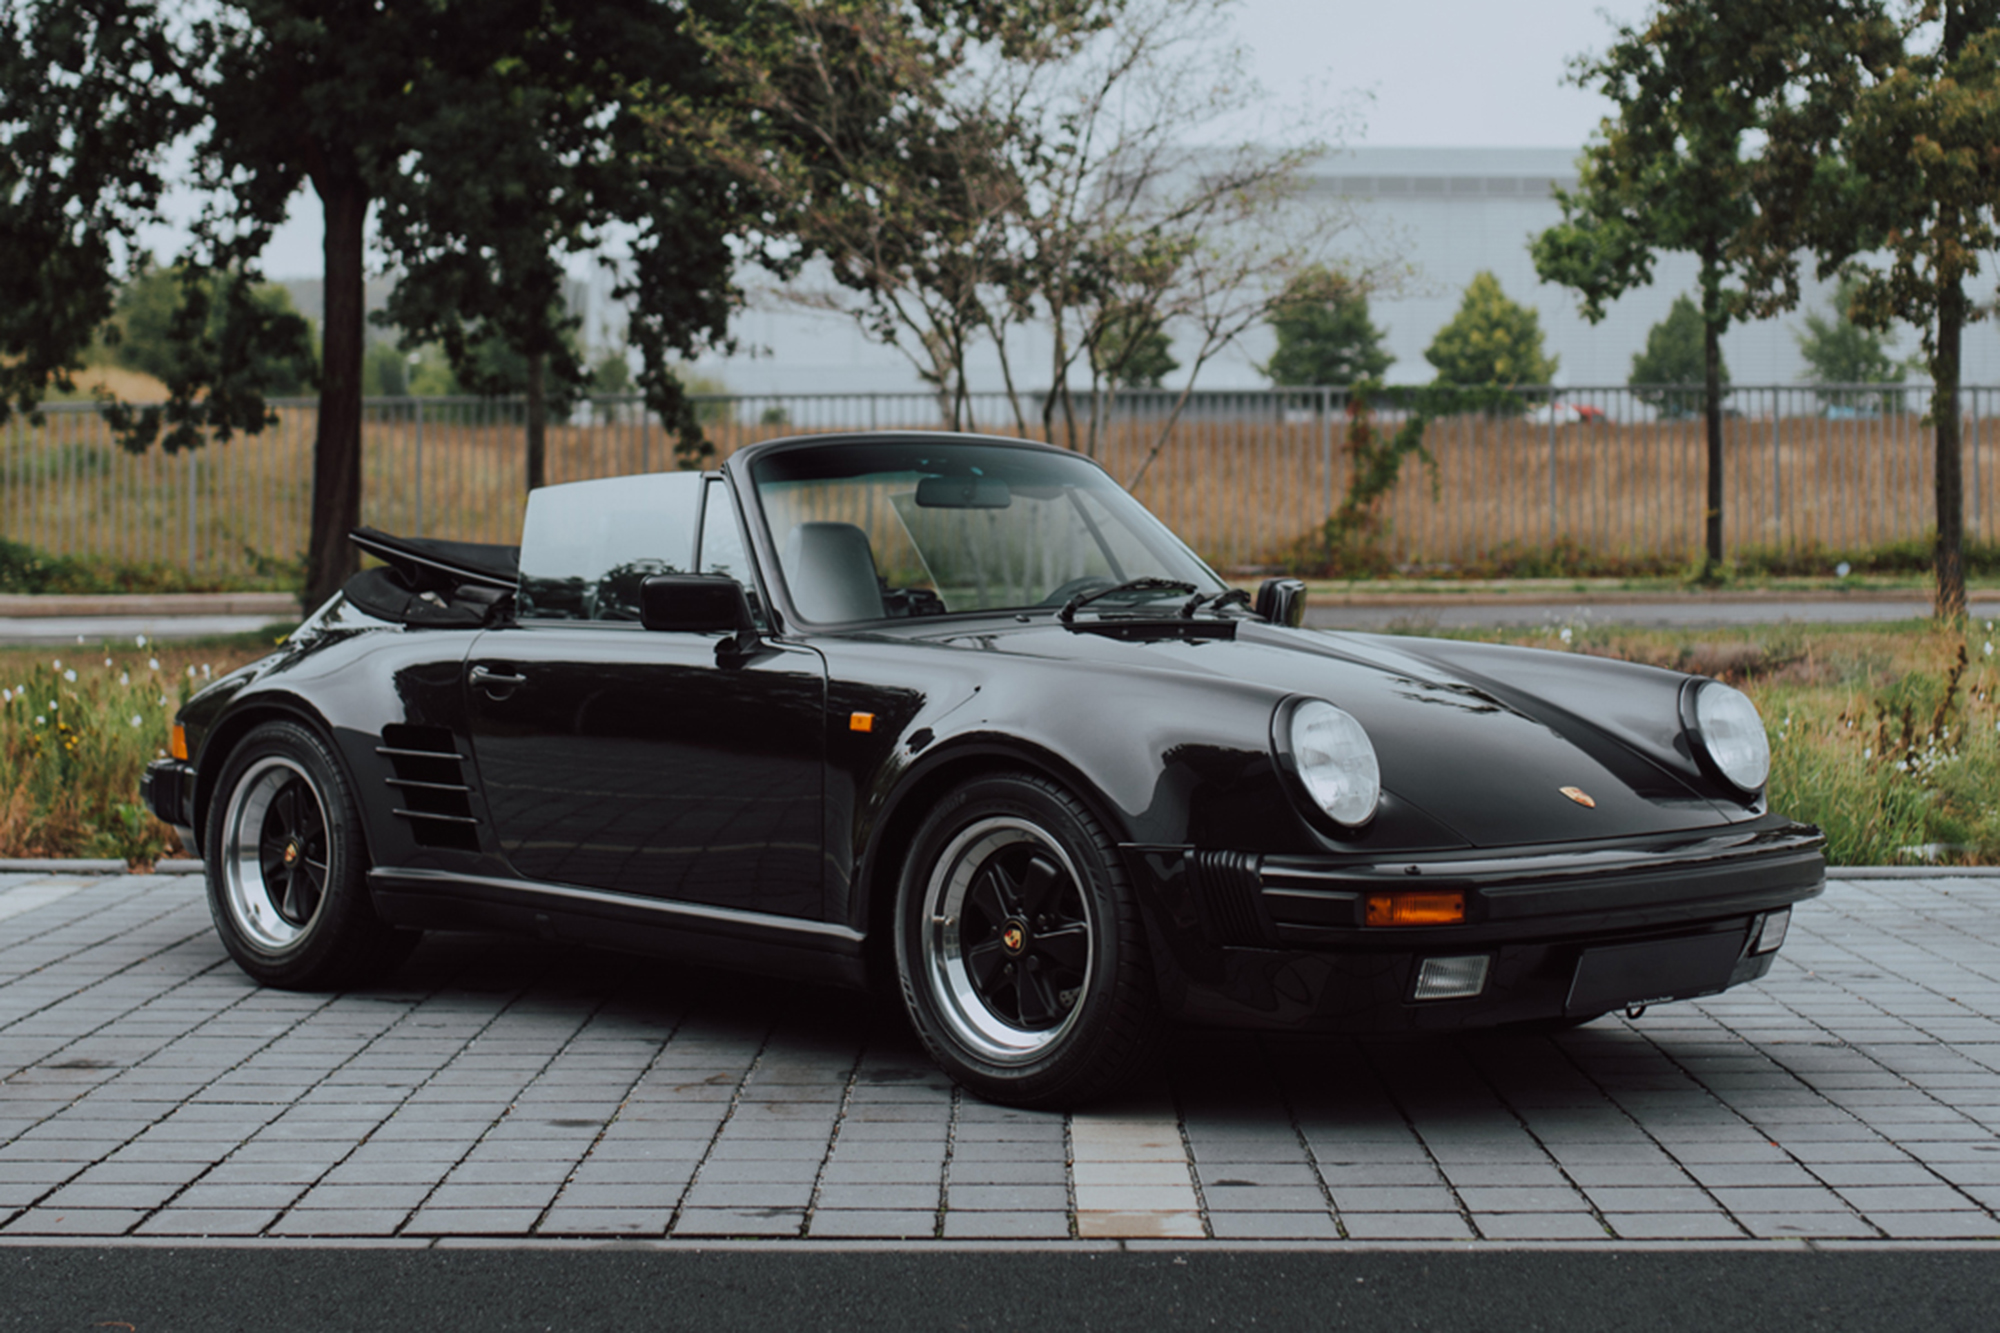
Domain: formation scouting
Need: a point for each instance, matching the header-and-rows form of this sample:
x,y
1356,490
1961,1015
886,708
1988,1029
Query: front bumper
x,y
1243,940
167,789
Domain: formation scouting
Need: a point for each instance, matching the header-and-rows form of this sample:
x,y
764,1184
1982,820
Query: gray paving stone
x,y
1936,1226
1273,1226
730,1198
472,1222
585,1221
1006,1198
740,1222
878,1197
1539,1226
1650,1199
74,1222
1686,1225
1017,1225
207,1222
1404,1226
892,1224
1873,1199
1264,1198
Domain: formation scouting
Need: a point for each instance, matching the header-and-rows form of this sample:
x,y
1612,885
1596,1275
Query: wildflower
x,y
139,639
124,678
190,671
137,720
107,664
40,720
6,696
1566,635
59,664
204,671
1989,648
153,662
1868,752
70,675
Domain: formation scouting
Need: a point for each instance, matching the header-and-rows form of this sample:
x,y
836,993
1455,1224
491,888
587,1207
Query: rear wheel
x,y
286,867
1020,949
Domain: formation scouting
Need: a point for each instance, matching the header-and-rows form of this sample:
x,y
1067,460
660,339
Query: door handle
x,y
495,680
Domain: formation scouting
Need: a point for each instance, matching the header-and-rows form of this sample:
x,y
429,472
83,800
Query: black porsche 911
x,y
957,713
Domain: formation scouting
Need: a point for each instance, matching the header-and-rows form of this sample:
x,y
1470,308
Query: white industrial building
x,y
1445,212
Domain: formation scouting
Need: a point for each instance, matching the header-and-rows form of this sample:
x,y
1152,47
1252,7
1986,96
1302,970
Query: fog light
x,y
1772,933
1452,978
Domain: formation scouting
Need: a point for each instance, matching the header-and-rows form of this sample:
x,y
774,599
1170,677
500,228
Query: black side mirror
x,y
697,604
1282,602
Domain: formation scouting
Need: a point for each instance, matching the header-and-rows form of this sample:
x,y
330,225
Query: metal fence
x,y
1243,476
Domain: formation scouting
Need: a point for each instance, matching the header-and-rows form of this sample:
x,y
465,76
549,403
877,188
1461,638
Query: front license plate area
x,y
1653,972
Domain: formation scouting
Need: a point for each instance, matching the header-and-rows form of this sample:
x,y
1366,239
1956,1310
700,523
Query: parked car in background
x,y
957,715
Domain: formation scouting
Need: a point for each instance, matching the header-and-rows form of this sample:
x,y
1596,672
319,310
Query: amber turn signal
x,y
861,722
1416,909
177,744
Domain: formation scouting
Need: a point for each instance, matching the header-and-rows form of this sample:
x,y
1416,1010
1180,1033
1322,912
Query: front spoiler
x,y
1241,940
167,789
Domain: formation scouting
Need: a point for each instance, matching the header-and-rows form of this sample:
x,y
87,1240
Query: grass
x,y
79,724
1886,736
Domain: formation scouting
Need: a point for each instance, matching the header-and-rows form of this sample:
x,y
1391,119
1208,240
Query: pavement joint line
x,y
833,1139
944,1167
722,1127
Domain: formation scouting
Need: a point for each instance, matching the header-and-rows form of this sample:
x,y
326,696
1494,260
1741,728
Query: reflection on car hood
x,y
1482,738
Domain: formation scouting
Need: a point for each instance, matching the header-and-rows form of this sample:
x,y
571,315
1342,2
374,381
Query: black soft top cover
x,y
431,582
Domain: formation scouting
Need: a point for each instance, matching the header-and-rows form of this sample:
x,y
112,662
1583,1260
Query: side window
x,y
723,549
587,545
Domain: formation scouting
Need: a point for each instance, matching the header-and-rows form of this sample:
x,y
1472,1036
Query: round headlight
x,y
1335,761
1733,734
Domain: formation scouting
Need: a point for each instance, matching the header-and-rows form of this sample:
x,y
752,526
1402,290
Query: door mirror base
x,y
700,604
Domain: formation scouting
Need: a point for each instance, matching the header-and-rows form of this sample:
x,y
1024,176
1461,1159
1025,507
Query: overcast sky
x,y
1471,73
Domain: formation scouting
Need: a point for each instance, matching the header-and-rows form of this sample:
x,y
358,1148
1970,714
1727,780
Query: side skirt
x,y
789,947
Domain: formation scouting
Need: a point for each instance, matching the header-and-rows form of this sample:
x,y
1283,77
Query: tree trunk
x,y
336,499
1949,558
1711,397
538,422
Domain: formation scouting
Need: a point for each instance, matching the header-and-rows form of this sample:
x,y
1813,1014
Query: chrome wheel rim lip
x,y
248,895
972,1023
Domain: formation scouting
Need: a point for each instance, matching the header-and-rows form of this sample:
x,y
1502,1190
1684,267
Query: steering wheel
x,y
1088,583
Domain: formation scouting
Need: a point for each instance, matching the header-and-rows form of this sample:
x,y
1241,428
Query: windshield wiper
x,y
1214,601
1147,584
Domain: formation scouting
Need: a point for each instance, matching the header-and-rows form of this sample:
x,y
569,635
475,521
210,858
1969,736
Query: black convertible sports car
x,y
959,712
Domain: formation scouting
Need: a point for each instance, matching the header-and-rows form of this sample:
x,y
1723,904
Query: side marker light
x,y
861,722
1416,909
177,742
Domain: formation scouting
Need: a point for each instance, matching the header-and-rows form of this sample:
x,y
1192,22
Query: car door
x,y
636,761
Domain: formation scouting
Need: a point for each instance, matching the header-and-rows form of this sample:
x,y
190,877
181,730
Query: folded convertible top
x,y
420,559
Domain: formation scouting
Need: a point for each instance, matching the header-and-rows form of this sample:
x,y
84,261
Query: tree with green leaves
x,y
1887,150
1676,355
487,137
145,335
1492,342
1324,334
1134,352
1668,172
1839,351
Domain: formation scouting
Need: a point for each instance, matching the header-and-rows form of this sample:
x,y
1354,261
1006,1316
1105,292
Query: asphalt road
x,y
213,1290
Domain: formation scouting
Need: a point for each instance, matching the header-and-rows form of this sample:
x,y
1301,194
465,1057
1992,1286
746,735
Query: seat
x,y
830,569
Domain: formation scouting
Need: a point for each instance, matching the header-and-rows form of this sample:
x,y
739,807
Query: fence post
x,y
1973,527
1552,470
1777,492
420,470
191,502
1325,453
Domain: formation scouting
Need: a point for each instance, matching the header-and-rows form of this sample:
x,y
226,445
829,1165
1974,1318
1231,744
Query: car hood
x,y
1482,738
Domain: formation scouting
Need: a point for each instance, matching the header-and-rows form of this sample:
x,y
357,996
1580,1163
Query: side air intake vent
x,y
1227,885
430,786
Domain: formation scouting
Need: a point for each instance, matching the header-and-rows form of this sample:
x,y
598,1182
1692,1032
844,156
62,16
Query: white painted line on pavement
x,y
1132,1176
27,897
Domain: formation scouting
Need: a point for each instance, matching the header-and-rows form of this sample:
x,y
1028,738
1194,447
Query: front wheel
x,y
286,867
1020,949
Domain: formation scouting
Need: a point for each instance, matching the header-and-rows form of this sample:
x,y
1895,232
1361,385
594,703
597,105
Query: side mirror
x,y
1282,602
697,604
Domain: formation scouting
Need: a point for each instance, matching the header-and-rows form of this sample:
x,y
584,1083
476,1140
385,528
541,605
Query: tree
x,y
1134,352
1676,353
1840,351
1887,150
365,103
146,335
964,169
1491,342
1324,334
1667,172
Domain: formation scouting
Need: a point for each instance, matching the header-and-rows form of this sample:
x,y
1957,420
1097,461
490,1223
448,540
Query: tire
x,y
1020,948
287,867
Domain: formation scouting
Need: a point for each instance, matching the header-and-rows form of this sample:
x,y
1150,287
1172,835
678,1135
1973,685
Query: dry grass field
x,y
1241,486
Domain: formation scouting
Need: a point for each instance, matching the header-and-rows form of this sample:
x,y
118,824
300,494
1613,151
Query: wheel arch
x,y
239,722
918,791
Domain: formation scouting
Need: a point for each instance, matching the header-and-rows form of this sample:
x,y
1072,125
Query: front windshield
x,y
924,527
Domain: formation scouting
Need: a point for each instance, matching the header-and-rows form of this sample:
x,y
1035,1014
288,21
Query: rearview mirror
x,y
1282,602
963,493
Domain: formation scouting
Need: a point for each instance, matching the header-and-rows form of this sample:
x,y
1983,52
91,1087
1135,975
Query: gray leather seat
x,y
830,569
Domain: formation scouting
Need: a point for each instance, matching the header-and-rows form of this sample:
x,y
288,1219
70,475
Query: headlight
x,y
1727,725
1334,761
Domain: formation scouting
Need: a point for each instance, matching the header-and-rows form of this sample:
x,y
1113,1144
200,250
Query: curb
x,y
37,606
56,865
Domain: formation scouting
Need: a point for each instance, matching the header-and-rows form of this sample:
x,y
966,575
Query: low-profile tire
x,y
287,867
1020,948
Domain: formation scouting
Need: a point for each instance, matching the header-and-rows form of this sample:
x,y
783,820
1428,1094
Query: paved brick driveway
x,y
507,1089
